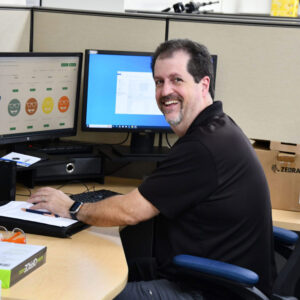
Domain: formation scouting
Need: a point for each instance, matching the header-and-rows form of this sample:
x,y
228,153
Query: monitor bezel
x,y
84,126
7,139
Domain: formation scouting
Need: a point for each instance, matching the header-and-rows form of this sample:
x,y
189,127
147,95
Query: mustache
x,y
170,97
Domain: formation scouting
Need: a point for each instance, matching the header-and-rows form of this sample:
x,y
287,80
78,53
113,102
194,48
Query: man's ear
x,y
205,85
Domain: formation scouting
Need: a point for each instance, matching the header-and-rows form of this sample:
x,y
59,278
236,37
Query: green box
x,y
19,260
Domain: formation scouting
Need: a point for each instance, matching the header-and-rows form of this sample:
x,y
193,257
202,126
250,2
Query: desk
x,y
286,219
89,265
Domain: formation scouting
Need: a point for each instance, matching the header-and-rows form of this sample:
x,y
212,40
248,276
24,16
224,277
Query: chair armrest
x,y
217,268
285,236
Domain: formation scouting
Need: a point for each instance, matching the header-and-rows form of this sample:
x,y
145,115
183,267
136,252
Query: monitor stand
x,y
141,146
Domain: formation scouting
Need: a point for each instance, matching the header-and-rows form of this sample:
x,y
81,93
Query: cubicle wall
x,y
258,60
15,29
71,31
75,31
258,72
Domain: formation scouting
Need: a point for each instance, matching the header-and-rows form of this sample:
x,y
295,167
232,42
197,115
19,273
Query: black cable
x,y
127,136
120,143
74,181
190,7
118,169
167,140
193,7
209,3
159,139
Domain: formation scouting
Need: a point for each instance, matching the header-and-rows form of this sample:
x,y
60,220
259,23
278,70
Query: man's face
x,y
178,96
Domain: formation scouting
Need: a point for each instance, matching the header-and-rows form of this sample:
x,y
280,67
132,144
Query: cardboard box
x,y
281,163
19,260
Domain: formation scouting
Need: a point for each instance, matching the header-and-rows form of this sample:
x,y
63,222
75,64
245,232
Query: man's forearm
x,y
112,211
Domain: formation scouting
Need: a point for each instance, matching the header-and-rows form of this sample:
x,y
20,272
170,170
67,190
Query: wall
x,y
257,72
97,5
14,30
257,75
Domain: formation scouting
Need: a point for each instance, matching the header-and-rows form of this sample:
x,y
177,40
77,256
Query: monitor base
x,y
127,151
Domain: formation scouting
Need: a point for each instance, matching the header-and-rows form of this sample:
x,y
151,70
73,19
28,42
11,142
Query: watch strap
x,y
74,209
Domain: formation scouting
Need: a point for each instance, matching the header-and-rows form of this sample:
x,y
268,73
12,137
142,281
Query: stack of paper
x,y
13,215
14,209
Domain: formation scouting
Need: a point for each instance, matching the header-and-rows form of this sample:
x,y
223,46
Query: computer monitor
x,y
119,96
39,94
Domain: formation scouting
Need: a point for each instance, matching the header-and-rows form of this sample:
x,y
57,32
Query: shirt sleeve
x,y
185,178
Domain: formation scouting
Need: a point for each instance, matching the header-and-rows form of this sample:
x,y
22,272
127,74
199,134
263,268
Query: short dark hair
x,y
200,63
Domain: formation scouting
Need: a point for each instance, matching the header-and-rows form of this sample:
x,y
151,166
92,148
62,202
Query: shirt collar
x,y
214,109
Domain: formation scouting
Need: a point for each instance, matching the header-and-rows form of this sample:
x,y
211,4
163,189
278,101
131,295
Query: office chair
x,y
240,281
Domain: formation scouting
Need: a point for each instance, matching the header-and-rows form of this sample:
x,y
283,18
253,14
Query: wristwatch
x,y
74,209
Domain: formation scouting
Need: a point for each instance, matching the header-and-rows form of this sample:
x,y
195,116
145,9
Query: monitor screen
x,y
119,95
39,94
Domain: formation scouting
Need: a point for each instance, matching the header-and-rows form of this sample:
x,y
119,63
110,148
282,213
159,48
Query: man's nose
x,y
166,89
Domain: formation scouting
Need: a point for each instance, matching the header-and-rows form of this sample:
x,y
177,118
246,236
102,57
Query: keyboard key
x,y
93,196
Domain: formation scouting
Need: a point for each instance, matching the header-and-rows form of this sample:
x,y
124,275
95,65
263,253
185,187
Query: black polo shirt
x,y
213,199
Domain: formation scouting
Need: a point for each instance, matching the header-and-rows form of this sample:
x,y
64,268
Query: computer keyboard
x,y
93,196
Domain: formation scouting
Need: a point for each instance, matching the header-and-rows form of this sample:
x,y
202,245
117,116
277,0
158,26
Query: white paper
x,y
21,159
14,210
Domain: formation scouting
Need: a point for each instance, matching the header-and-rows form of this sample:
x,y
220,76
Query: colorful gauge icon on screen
x,y
63,104
14,107
47,105
31,106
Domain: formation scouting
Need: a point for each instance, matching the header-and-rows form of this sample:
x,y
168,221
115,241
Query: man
x,y
210,194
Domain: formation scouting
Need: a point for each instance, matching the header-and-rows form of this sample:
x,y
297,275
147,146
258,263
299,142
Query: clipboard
x,y
11,217
42,229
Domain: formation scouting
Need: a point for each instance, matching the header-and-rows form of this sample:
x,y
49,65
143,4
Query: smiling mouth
x,y
170,102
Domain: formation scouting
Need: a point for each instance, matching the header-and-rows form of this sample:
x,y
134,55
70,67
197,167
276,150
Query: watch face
x,y
75,207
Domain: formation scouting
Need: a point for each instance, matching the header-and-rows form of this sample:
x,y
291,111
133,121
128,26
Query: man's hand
x,y
53,200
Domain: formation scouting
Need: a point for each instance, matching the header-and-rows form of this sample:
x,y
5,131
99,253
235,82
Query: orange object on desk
x,y
17,235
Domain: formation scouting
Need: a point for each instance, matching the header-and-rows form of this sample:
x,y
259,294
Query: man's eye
x,y
177,79
158,82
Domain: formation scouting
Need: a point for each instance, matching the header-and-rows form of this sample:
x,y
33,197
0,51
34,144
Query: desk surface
x,y
286,219
91,264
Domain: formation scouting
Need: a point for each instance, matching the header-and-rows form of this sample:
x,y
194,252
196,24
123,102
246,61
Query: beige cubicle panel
x,y
258,73
77,31
14,30
71,31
